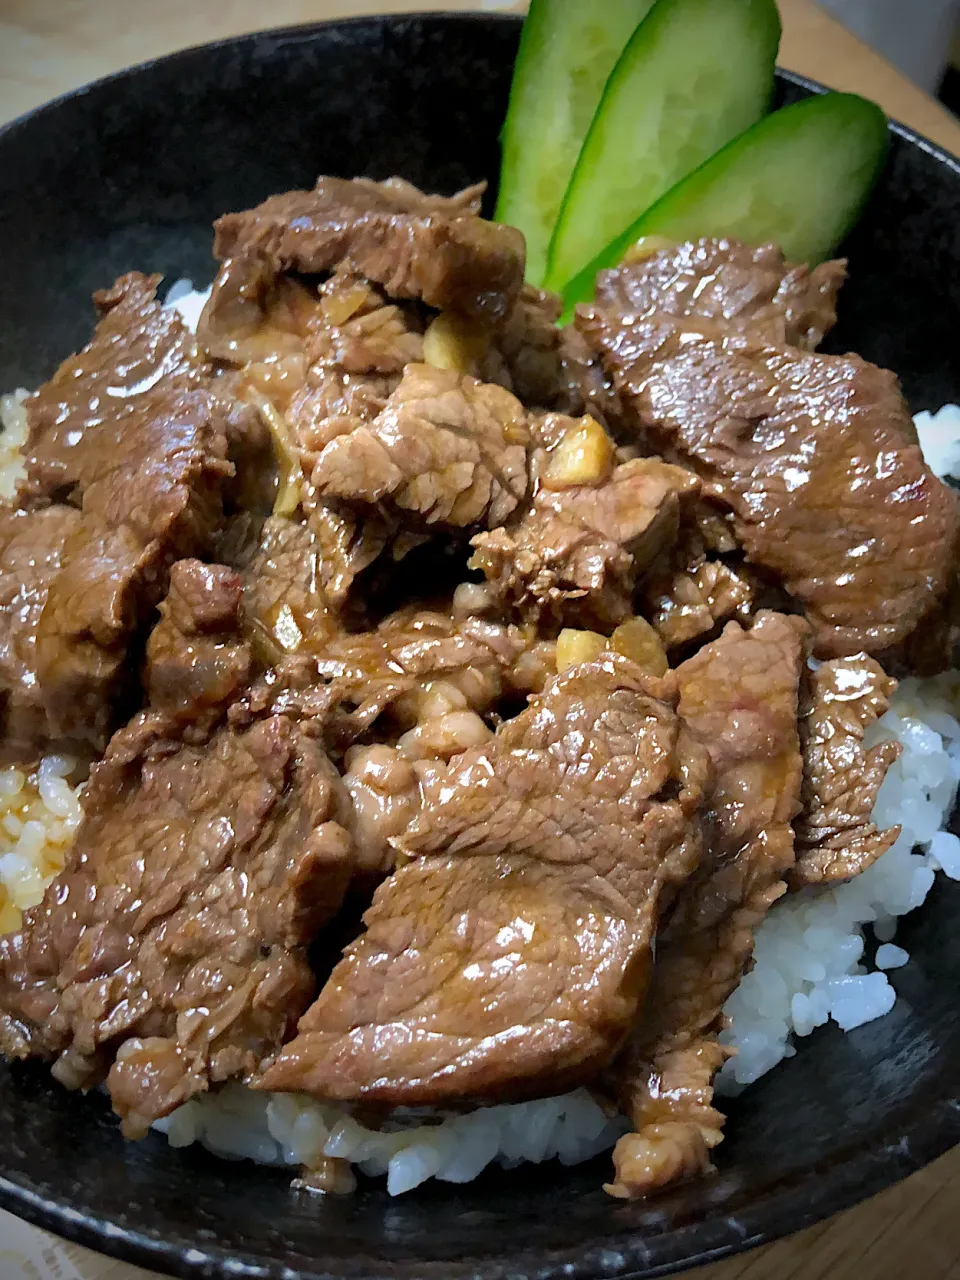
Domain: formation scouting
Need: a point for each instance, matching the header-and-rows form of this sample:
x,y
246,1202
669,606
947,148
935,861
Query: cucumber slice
x,y
694,74
798,178
567,50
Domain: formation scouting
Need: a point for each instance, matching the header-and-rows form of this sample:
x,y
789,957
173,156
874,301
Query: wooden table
x,y
48,46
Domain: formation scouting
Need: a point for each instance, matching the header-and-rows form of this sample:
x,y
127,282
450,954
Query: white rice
x,y
290,1129
809,951
939,435
187,301
13,420
809,959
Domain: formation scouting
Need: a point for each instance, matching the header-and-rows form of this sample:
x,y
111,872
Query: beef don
x,y
566,869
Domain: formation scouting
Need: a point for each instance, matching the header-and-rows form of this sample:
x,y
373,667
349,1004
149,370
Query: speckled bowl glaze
x,y
129,173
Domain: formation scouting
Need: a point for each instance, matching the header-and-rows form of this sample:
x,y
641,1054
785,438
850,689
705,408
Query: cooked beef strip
x,y
414,245
738,697
817,458
575,554
836,837
79,419
688,592
31,555
446,452
127,432
742,287
158,499
357,347
530,356
415,657
687,604
173,945
285,606
509,957
196,659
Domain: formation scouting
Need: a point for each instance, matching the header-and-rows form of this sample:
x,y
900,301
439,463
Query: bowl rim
x,y
844,1182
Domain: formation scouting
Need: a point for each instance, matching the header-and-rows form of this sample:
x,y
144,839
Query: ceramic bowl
x,y
130,172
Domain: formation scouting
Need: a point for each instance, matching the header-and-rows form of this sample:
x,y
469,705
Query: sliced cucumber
x,y
798,178
567,51
694,74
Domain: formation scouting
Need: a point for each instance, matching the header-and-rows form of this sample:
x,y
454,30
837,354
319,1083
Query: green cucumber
x,y
798,178
694,74
567,50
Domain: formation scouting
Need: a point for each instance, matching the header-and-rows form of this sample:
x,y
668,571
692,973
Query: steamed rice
x,y
809,957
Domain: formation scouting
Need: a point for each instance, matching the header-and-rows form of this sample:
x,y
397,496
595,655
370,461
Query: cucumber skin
x,y
766,20
829,112
514,203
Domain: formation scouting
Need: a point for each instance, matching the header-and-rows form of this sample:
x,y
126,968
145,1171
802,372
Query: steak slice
x,y
738,697
156,499
128,432
575,554
836,836
817,458
173,945
743,288
196,659
508,958
446,452
416,654
31,554
431,248
85,412
357,347
285,606
685,604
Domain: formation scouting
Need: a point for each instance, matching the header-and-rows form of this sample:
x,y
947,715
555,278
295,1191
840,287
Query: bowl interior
x,y
130,173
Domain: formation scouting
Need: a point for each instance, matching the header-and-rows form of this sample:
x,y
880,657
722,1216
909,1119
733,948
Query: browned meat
x,y
31,554
422,663
157,499
126,432
356,349
836,838
357,346
509,957
589,389
446,452
85,413
575,554
285,606
743,288
738,696
687,593
686,604
816,456
173,944
196,658
528,355
413,245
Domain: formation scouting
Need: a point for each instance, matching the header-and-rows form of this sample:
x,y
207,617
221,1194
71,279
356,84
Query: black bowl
x,y
129,173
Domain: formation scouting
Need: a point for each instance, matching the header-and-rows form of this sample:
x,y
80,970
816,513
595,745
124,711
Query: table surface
x,y
49,46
